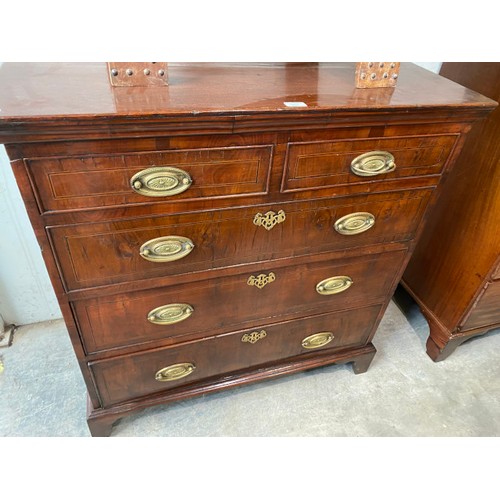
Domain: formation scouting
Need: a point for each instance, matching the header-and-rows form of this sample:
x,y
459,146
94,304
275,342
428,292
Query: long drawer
x,y
105,253
216,305
127,377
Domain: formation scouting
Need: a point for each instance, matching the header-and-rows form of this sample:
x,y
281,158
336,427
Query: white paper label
x,y
297,104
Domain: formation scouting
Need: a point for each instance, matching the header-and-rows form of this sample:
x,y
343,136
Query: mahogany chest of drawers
x,y
245,222
454,273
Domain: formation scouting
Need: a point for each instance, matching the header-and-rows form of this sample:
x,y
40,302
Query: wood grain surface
x,y
132,376
222,303
460,249
109,253
53,100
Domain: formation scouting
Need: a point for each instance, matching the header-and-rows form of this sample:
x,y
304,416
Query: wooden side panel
x,y
461,242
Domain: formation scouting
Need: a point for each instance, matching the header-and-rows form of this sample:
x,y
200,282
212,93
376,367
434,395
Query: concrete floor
x,y
403,393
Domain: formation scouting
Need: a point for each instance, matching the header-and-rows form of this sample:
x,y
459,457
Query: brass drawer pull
x,y
261,280
317,340
373,163
354,223
160,181
269,219
166,248
175,372
254,336
335,284
170,314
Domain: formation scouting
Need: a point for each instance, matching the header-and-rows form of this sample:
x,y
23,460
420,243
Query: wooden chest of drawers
x,y
206,234
454,273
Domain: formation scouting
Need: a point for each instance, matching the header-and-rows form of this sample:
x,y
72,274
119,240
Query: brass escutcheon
x,y
166,248
160,181
261,280
317,340
333,285
269,219
170,314
373,163
175,372
354,223
254,336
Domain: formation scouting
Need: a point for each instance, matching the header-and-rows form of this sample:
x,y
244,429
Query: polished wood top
x,y
60,89
50,92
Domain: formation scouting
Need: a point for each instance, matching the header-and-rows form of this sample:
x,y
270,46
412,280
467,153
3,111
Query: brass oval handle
x,y
317,340
333,285
175,372
166,248
354,223
170,314
160,181
373,163
269,219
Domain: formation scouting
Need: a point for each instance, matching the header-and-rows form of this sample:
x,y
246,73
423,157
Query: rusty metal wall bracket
x,y
371,75
138,74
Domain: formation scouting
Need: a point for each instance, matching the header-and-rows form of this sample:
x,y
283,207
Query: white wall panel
x,y
26,295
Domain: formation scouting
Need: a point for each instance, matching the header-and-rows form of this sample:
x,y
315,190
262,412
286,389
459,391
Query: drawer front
x,y
70,183
495,275
212,306
486,310
105,253
128,377
324,164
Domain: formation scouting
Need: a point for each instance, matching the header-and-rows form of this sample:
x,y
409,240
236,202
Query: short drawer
x,y
127,377
315,165
486,310
212,306
69,183
105,253
495,275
